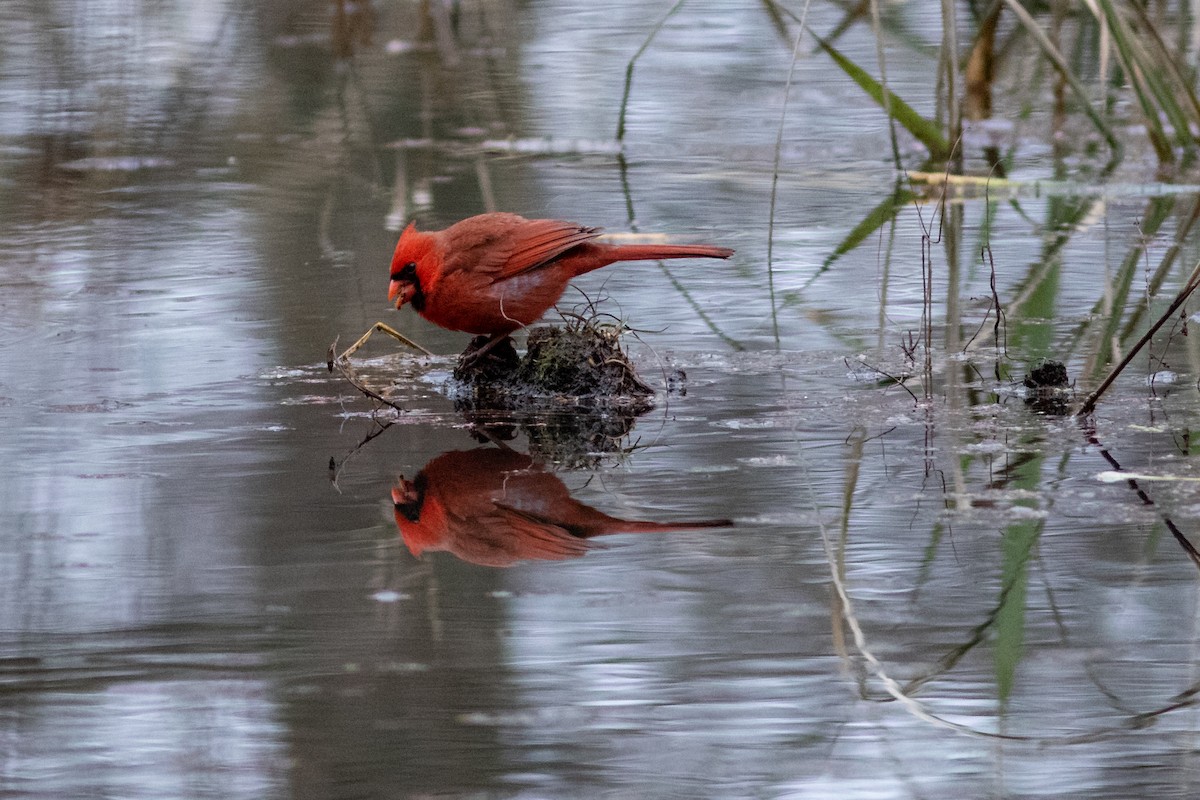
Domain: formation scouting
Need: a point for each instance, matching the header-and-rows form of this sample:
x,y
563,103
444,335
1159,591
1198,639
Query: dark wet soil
x,y
581,364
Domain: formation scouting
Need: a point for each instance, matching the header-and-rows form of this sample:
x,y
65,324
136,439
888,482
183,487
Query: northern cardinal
x,y
495,507
494,273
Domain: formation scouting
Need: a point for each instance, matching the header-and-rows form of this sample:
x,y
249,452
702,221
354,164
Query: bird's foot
x,y
487,357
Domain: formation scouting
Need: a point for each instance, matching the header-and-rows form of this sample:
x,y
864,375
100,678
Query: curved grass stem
x,y
1056,58
629,67
787,91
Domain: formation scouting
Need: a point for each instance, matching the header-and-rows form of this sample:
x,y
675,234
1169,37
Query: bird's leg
x,y
478,353
473,356
390,331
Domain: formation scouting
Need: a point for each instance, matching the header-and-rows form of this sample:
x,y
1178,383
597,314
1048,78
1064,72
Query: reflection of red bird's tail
x,y
496,507
634,526
606,525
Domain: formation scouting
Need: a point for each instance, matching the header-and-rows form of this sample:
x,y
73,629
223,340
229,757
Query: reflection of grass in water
x,y
1124,33
1005,626
1083,87
679,287
1031,305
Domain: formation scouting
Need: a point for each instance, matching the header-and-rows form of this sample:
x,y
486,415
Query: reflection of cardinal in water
x,y
497,507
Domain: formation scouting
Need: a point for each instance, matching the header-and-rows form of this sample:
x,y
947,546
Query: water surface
x,y
930,598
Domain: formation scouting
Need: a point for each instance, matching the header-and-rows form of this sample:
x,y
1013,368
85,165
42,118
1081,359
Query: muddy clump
x,y
1047,388
582,364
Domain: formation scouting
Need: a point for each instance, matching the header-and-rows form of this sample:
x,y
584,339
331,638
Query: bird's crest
x,y
414,247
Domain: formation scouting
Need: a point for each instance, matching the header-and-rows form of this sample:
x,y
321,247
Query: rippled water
x,y
203,588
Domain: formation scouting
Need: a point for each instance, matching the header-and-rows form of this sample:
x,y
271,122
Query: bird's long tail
x,y
592,256
654,252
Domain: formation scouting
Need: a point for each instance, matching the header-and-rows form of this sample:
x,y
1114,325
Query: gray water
x,y
927,595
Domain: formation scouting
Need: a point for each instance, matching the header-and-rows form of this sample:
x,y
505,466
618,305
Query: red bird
x,y
494,273
496,507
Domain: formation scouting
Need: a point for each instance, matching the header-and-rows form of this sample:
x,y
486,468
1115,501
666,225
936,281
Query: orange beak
x,y
399,292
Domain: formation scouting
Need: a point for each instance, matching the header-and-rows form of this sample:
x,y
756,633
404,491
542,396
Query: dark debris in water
x,y
1048,375
1048,388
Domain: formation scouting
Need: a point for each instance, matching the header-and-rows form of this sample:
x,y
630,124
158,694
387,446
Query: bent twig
x,y
1089,405
342,362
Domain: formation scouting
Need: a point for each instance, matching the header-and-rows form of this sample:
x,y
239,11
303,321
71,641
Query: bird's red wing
x,y
499,245
540,537
536,242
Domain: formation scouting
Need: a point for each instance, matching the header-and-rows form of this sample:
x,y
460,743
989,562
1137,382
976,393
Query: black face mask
x,y
411,510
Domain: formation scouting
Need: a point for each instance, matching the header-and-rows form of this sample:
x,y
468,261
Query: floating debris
x,y
1048,388
1047,375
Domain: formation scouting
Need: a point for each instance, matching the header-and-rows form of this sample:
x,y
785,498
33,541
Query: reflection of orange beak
x,y
404,491
406,497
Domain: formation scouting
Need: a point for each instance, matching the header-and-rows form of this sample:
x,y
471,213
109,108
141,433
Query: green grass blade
x,y
1056,59
878,216
1157,213
1017,548
1175,76
1019,540
926,131
1136,73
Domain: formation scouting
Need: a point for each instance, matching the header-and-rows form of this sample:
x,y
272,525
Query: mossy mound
x,y
1047,375
581,364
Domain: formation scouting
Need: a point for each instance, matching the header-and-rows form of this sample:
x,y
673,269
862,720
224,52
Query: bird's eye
x,y
406,273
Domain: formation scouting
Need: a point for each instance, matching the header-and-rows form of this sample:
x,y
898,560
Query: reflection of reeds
x,y
1193,281
787,91
1004,36
683,291
1003,625
1003,628
629,67
1080,60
